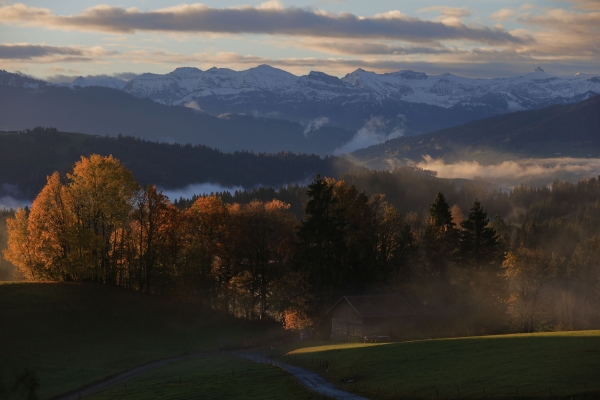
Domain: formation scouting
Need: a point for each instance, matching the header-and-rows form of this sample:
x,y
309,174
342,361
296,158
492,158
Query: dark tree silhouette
x,y
479,243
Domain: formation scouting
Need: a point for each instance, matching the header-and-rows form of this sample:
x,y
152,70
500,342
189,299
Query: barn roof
x,y
378,306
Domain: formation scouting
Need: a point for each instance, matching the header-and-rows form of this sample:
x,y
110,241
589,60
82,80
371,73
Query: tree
x,y
20,247
528,273
478,241
321,237
262,244
204,266
440,240
103,193
51,229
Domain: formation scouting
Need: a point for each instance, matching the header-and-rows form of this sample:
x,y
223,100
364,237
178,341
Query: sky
x,y
59,40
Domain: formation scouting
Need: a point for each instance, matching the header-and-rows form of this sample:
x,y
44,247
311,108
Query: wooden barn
x,y
385,315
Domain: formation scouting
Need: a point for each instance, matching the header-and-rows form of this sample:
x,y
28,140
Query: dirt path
x,y
308,378
311,380
122,377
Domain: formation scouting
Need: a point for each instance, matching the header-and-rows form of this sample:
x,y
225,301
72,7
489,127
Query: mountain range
x,y
412,101
265,109
26,103
557,131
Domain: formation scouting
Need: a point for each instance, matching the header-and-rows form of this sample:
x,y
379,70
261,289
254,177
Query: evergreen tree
x,y
440,237
439,213
478,240
321,236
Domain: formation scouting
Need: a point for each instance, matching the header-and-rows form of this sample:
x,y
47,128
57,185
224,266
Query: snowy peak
x,y
273,86
19,80
446,90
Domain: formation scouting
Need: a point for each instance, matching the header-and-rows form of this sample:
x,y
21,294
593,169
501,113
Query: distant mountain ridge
x,y
290,111
269,91
27,157
557,131
26,103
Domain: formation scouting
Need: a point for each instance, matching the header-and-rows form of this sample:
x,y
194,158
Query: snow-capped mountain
x,y
446,90
404,102
351,100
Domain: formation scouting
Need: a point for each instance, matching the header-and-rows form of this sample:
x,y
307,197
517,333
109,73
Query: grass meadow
x,y
210,378
527,365
74,334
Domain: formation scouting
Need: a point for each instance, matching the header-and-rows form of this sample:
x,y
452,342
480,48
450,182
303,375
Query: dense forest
x,y
470,258
27,157
570,130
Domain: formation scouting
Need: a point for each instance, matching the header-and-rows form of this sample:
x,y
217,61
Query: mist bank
x,y
198,189
565,131
529,171
8,202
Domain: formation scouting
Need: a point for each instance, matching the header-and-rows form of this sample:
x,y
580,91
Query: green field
x,y
528,365
74,334
213,377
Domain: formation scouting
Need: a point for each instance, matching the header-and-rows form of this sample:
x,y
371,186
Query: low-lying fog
x,y
534,172
197,189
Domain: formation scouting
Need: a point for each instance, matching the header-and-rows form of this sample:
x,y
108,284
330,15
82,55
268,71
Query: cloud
x,y
315,125
198,189
43,53
445,11
511,173
193,105
586,4
374,48
372,133
503,14
60,77
270,18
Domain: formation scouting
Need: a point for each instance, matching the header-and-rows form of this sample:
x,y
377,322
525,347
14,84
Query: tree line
x,y
28,156
464,272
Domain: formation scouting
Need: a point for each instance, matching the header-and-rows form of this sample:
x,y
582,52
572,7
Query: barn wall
x,y
395,327
345,322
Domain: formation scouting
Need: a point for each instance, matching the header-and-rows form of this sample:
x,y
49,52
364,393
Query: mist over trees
x,y
288,254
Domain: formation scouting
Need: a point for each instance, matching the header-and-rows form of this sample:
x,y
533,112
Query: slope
x,y
564,130
26,159
73,334
529,365
105,111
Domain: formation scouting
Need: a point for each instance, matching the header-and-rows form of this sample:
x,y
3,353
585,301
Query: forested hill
x,y
569,130
26,103
27,157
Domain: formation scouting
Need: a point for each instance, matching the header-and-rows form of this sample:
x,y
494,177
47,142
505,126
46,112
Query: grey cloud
x,y
28,51
457,12
124,75
286,21
587,4
49,54
61,78
374,48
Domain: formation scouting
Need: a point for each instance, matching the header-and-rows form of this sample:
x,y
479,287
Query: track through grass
x,y
74,334
540,364
213,377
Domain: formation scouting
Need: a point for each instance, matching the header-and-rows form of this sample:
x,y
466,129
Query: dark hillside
x,y
74,334
26,158
104,111
571,130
